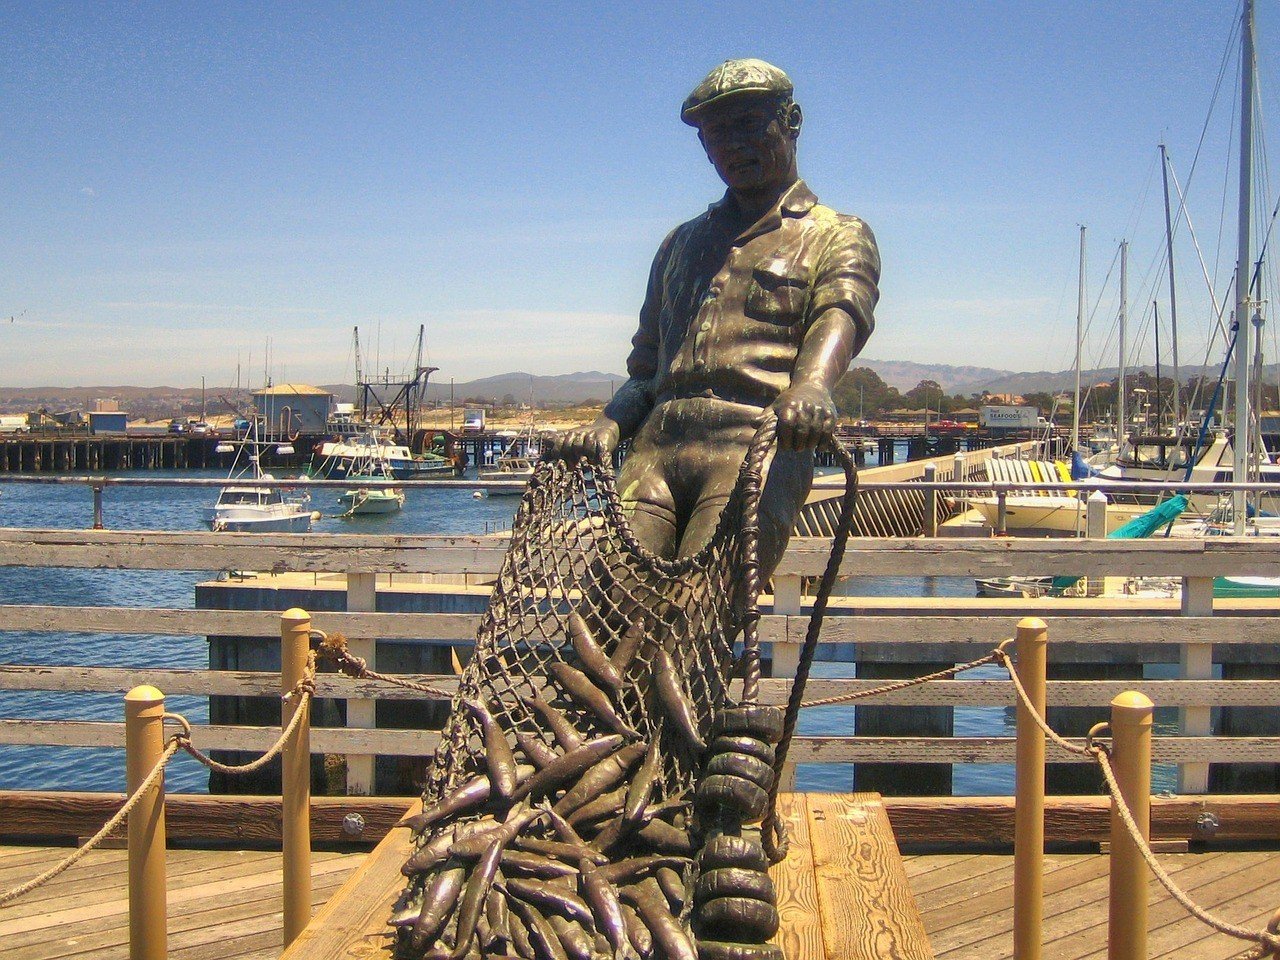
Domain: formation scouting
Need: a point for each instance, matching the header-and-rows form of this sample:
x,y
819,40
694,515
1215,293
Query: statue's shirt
x,y
726,311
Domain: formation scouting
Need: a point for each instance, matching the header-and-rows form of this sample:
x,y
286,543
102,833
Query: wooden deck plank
x,y
1238,885
192,904
87,892
1200,872
868,910
1245,896
800,935
354,921
992,890
98,881
1073,909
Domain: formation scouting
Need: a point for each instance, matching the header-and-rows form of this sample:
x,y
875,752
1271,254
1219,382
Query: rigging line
x,y
1131,226
1195,240
1226,181
1227,59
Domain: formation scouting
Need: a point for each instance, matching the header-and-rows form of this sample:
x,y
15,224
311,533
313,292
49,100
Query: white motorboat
x,y
246,508
516,462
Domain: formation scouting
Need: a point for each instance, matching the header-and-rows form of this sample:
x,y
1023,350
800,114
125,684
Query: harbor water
x,y
426,511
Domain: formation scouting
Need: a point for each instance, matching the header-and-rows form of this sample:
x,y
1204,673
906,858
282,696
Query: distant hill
x,y
904,374
568,389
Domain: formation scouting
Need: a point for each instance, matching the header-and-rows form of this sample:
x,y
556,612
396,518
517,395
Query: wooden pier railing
x,y
1195,633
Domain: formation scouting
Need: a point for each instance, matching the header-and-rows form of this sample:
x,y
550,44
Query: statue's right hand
x,y
596,443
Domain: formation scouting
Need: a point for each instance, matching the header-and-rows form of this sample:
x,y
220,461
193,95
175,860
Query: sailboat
x,y
1248,458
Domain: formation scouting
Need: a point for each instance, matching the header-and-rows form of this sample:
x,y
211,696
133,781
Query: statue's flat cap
x,y
734,78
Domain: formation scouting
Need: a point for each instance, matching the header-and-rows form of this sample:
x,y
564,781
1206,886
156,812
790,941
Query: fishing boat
x,y
337,459
243,507
366,501
1049,513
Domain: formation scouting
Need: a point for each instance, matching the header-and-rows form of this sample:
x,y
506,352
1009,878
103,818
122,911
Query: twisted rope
x,y
107,829
894,687
1267,941
333,647
303,690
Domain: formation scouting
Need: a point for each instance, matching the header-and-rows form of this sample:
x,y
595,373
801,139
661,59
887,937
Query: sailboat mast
x,y
1122,422
1240,465
1075,416
1173,294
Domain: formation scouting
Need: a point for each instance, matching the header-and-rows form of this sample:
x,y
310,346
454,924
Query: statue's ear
x,y
795,119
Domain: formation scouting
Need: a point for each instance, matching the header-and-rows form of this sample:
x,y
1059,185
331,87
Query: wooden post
x,y
787,600
1095,528
1131,739
97,506
1002,512
931,501
144,745
295,775
1195,661
1028,827
362,597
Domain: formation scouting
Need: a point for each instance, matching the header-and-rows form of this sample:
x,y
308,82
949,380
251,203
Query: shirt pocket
x,y
776,294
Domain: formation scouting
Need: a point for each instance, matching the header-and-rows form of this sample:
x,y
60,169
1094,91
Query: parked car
x,y
178,425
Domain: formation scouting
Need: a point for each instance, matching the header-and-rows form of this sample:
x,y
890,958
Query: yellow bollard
x,y
144,745
1028,811
295,800
1131,758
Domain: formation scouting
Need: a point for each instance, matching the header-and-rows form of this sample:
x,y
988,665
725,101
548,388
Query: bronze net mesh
x,y
572,551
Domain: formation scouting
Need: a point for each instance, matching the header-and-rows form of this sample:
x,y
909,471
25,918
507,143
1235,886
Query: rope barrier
x,y
1268,941
107,828
304,689
992,657
333,647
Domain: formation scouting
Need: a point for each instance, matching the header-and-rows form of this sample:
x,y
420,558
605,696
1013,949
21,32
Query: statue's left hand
x,y
806,416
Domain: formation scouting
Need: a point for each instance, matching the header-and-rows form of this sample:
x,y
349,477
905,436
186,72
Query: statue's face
x,y
752,147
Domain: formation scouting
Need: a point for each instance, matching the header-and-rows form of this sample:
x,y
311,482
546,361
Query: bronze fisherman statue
x,y
761,302
599,789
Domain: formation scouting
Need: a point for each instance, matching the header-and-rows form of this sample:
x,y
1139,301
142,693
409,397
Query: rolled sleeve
x,y
846,276
642,362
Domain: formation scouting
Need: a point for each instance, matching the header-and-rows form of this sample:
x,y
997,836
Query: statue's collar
x,y
796,201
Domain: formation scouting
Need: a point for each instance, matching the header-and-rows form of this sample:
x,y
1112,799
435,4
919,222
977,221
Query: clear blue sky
x,y
180,182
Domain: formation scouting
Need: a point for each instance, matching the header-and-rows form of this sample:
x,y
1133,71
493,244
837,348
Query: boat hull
x,y
371,502
249,521
1052,514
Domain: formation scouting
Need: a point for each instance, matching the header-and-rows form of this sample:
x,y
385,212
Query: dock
x,y
224,903
950,890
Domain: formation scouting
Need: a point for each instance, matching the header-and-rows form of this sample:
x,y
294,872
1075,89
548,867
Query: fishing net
x,y
580,732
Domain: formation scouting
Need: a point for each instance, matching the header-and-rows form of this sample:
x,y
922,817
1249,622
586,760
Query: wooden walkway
x,y
966,903
225,904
